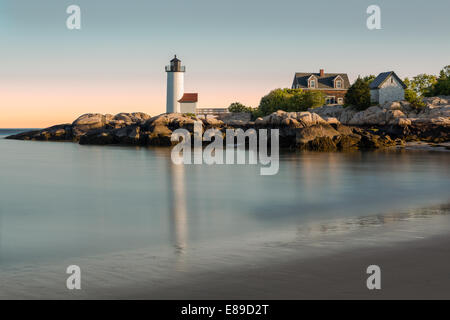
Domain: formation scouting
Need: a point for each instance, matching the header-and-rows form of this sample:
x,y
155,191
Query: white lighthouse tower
x,y
175,85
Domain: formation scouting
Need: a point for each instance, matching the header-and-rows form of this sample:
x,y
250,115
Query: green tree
x,y
358,95
423,83
239,107
442,84
412,96
369,79
445,73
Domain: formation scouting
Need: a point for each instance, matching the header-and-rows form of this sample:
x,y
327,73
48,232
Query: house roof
x,y
324,82
382,77
189,97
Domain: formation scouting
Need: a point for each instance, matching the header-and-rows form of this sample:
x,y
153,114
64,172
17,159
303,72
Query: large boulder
x,y
159,136
334,111
173,121
212,121
370,116
290,119
435,111
396,105
132,118
436,101
310,133
93,121
319,144
88,122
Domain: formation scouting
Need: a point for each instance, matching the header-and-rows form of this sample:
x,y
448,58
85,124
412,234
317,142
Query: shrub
x,y
239,107
291,100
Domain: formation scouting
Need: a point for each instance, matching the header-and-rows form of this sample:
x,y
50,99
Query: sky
x,y
234,50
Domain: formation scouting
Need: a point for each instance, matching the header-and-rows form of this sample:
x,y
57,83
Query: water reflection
x,y
177,209
349,225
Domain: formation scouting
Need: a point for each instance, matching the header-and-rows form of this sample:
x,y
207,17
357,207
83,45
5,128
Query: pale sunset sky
x,y
234,50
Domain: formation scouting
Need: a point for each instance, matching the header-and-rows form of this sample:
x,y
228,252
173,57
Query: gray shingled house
x,y
387,87
333,85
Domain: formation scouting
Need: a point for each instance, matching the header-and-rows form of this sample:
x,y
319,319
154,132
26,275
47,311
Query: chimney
x,y
321,72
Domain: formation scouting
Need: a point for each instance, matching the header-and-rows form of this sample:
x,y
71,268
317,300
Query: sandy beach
x,y
412,270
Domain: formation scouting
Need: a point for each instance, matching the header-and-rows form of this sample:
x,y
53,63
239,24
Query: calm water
x,y
131,212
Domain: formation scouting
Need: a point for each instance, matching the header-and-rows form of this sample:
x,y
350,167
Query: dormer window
x,y
339,84
312,83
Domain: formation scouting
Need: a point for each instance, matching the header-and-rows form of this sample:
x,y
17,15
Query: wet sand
x,y
418,269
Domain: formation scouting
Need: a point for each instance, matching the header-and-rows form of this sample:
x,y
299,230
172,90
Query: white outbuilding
x,y
387,87
188,103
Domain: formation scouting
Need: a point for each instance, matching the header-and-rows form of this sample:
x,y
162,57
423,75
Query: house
x,y
333,85
387,87
188,103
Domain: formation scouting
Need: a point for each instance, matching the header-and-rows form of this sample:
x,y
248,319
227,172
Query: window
x,y
392,80
339,84
330,100
312,83
340,100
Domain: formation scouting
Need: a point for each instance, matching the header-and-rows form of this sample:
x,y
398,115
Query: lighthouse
x,y
175,85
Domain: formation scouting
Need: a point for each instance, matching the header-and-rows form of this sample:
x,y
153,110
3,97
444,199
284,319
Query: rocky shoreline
x,y
328,128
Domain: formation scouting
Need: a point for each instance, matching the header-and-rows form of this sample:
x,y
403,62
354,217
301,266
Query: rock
x,y
309,119
393,116
319,144
346,115
324,129
347,142
212,122
132,118
128,135
304,135
439,100
235,118
369,141
260,121
334,111
91,121
331,120
370,116
396,105
87,122
62,132
290,119
291,122
97,137
401,122
342,129
159,136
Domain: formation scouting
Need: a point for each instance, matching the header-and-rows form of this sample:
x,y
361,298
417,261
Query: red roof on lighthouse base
x,y
189,97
